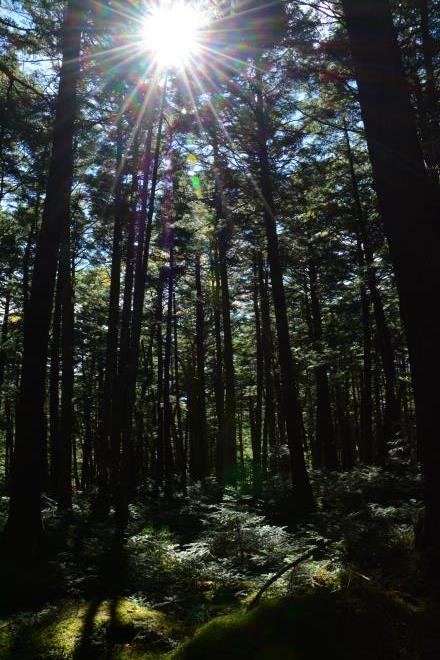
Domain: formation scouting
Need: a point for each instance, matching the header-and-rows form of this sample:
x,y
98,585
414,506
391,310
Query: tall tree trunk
x,y
325,437
54,389
356,395
201,463
431,92
289,388
30,243
160,456
87,448
269,438
111,354
219,387
410,206
180,446
3,340
119,413
380,449
366,404
392,414
4,395
224,233
24,528
344,427
258,410
64,447
9,442
140,276
166,388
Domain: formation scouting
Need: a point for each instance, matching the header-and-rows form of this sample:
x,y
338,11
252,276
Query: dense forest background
x,y
218,278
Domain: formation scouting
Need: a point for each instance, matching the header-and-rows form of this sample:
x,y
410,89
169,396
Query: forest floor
x,y
367,594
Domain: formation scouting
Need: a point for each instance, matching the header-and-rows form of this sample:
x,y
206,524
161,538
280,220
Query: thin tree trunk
x,y
289,388
111,355
159,471
180,445
121,451
366,405
219,388
257,413
356,415
431,93
87,460
141,271
267,351
380,449
325,433
392,414
29,244
54,390
201,464
9,442
64,447
345,432
167,409
224,232
4,338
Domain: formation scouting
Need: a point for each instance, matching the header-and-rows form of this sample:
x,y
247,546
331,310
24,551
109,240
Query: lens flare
x,y
171,31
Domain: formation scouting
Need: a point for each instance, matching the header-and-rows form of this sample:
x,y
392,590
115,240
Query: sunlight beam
x,y
170,32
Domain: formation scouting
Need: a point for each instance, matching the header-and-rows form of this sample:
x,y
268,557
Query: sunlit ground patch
x,y
87,630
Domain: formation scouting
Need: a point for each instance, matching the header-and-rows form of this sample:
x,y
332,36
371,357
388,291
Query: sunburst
x,y
171,33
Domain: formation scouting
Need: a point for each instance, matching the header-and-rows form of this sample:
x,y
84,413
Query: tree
x,y
409,202
24,512
289,388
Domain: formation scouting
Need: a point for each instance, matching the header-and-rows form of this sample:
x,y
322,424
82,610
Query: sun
x,y
171,33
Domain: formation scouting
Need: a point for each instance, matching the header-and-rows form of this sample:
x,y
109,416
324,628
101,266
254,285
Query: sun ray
x,y
231,144
171,33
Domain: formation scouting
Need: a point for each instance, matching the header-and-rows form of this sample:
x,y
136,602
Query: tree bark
x,y
180,445
269,437
410,207
160,454
325,433
366,403
219,387
54,390
64,446
140,276
119,413
224,233
166,388
111,354
258,409
24,528
4,338
289,388
392,414
201,458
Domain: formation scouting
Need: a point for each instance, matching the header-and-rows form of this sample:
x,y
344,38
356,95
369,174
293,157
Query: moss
x,y
360,622
87,630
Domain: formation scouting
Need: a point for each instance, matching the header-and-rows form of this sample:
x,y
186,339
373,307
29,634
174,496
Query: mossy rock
x,y
81,630
360,623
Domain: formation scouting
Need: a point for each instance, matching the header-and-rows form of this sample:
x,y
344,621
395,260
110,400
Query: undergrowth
x,y
195,560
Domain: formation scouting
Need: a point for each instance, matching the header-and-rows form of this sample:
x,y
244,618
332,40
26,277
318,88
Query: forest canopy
x,y
219,224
